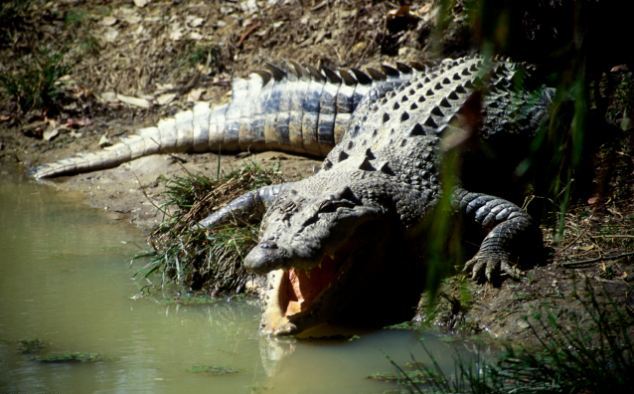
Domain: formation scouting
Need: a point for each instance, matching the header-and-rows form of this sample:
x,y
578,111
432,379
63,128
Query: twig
x,y
249,30
147,196
613,236
577,238
574,264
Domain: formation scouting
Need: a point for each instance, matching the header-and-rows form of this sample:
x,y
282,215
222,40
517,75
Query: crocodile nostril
x,y
268,245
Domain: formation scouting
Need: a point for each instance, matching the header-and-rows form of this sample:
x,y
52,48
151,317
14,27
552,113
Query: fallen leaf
x,y
132,19
176,33
194,94
619,68
108,21
50,134
165,98
108,97
134,101
399,12
141,3
110,35
77,122
194,21
163,87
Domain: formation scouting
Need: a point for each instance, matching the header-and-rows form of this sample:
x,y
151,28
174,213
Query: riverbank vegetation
x,y
197,259
591,351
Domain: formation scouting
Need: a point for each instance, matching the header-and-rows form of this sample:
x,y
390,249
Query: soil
x,y
168,54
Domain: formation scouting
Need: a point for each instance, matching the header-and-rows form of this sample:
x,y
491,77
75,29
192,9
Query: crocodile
x,y
343,247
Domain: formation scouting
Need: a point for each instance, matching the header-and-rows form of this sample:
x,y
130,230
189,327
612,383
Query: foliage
x,y
208,55
196,258
35,85
565,38
593,355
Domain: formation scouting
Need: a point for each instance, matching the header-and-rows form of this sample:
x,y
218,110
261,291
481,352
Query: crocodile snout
x,y
264,257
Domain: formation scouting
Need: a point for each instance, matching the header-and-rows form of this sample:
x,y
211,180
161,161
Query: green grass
x,y
593,354
208,55
34,85
197,259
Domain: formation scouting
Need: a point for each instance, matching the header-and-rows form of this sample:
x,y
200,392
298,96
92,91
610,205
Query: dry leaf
x,y
194,94
141,3
176,33
165,98
110,35
134,101
50,133
194,21
108,97
108,21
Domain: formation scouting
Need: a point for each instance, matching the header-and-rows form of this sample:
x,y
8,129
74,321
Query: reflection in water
x,y
65,279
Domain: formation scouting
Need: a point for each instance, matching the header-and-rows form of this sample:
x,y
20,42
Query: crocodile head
x,y
332,251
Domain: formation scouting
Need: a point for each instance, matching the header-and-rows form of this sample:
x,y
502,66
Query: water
x,y
65,279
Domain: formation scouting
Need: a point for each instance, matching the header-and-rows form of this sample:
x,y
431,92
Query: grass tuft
x,y
36,84
593,354
207,260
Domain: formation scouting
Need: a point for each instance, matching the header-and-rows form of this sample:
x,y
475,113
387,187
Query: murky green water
x,y
65,279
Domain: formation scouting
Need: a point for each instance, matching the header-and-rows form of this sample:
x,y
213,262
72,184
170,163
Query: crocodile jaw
x,y
296,296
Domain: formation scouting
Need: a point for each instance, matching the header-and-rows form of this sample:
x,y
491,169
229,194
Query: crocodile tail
x,y
182,133
289,107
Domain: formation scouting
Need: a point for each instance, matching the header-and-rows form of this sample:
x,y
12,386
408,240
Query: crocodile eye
x,y
326,206
332,205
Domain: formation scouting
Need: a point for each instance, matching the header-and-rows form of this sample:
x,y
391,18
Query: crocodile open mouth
x,y
298,294
322,298
300,288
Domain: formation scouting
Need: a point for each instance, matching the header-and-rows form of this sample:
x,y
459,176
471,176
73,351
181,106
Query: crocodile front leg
x,y
506,225
248,207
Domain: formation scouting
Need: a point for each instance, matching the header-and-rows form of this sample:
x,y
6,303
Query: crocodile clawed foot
x,y
490,266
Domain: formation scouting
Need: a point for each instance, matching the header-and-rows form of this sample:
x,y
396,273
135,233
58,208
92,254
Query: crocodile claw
x,y
491,265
